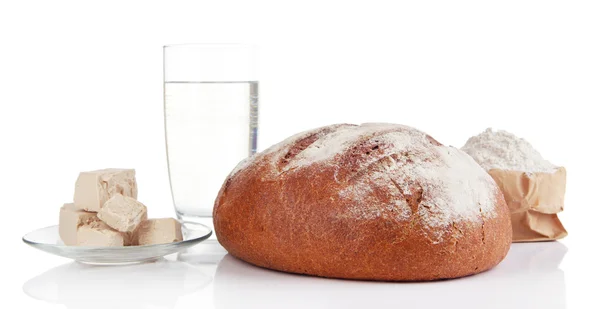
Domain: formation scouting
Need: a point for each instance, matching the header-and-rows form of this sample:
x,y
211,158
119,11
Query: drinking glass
x,y
211,117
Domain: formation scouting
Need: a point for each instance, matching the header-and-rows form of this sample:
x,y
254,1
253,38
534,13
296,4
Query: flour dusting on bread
x,y
454,187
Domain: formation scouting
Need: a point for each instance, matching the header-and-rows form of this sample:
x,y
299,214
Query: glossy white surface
x,y
530,277
81,90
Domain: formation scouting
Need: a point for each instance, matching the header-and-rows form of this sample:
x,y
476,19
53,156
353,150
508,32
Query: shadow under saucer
x,y
156,284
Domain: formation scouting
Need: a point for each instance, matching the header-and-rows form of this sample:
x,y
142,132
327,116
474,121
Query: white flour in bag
x,y
503,150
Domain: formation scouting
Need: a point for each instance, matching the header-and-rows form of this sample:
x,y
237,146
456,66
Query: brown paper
x,y
534,199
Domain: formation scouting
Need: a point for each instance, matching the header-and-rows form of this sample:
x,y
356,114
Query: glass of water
x,y
211,115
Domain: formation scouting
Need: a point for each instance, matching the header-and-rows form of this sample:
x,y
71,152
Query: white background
x,y
81,88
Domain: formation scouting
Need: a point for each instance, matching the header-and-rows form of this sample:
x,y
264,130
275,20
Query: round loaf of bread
x,y
374,202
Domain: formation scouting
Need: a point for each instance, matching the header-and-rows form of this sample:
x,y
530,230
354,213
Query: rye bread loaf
x,y
374,202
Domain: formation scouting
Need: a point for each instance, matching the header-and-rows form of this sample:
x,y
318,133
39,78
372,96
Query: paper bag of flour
x,y
534,199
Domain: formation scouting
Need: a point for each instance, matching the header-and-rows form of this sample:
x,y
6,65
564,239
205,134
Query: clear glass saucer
x,y
48,240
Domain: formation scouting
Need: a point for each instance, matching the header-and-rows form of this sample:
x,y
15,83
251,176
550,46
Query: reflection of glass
x,y
150,285
529,277
211,120
206,256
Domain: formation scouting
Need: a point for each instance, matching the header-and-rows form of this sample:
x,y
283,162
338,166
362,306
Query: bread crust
x,y
295,219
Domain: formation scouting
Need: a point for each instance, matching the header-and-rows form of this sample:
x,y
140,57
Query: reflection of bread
x,y
529,277
376,202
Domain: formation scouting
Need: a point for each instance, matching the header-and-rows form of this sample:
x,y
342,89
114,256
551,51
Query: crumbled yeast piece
x,y
158,231
123,213
94,188
69,221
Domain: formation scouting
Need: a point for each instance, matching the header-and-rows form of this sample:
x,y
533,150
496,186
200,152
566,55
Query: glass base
x,y
208,252
206,221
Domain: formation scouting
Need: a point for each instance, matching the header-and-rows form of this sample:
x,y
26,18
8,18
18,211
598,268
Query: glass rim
x,y
210,45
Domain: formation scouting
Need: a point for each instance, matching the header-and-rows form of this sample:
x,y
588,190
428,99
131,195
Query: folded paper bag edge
x,y
544,192
534,199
